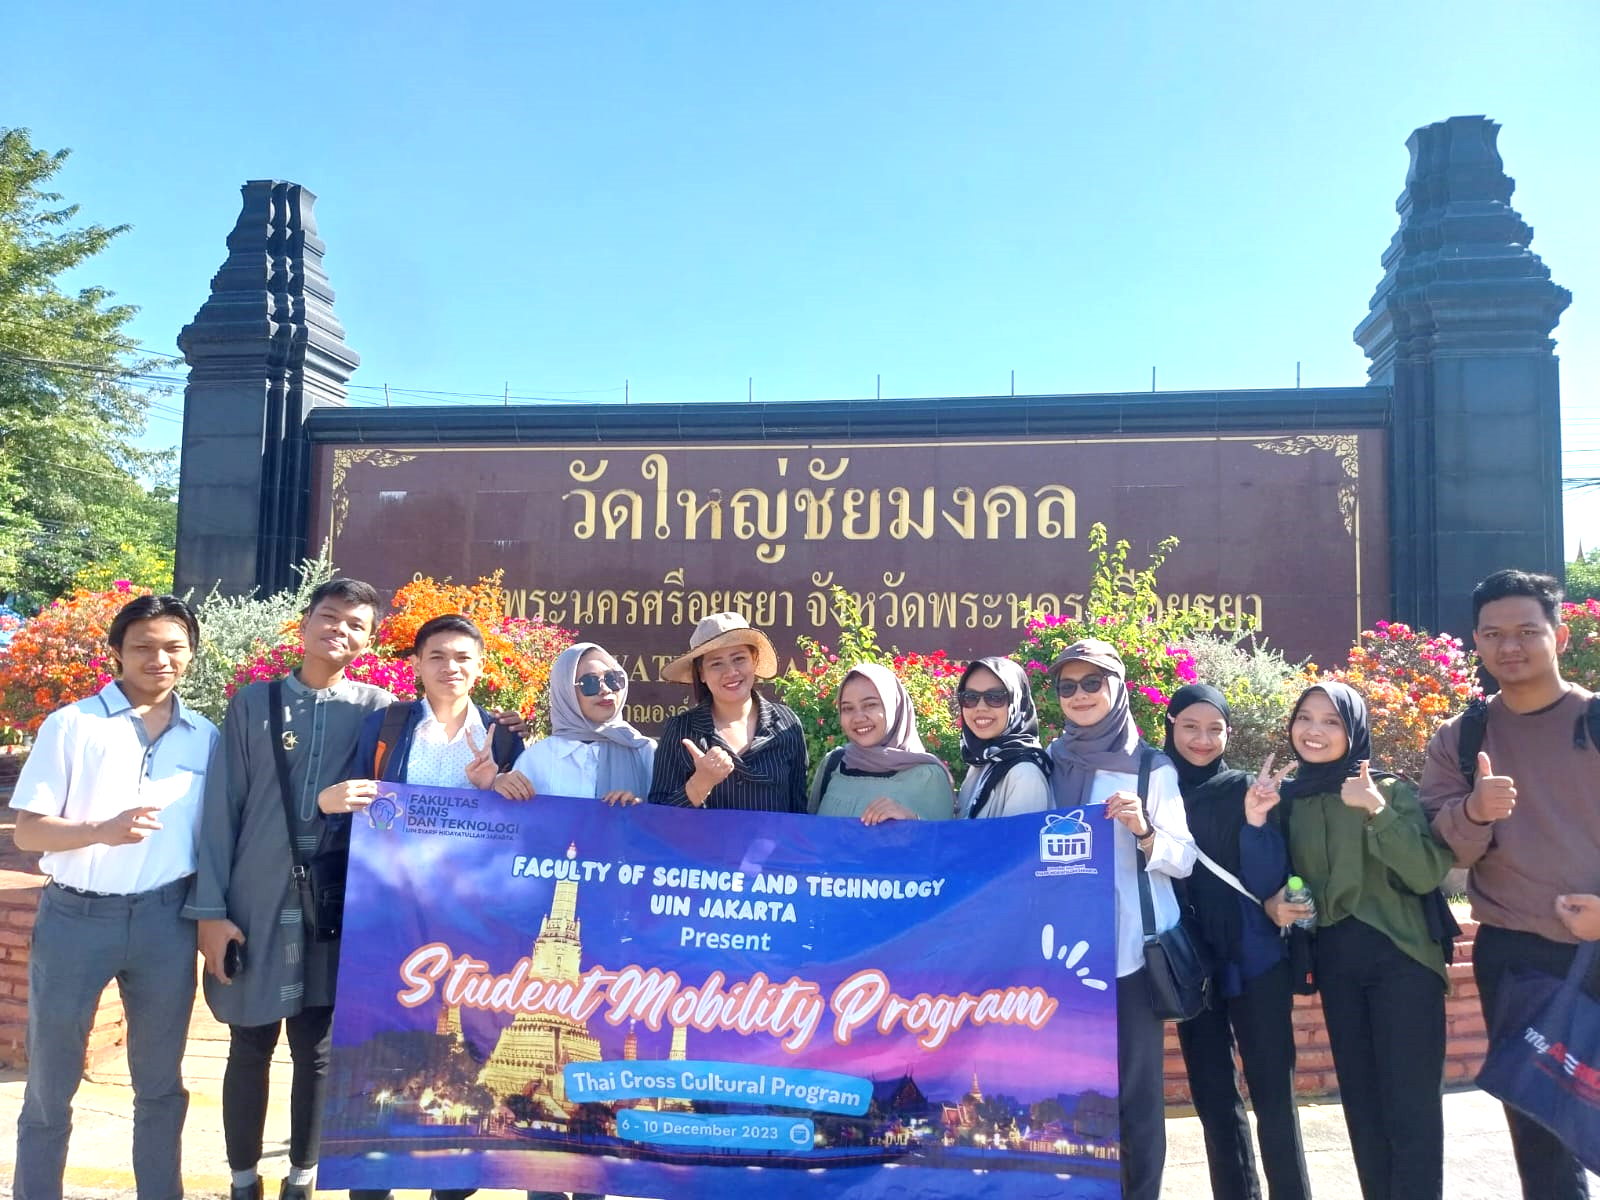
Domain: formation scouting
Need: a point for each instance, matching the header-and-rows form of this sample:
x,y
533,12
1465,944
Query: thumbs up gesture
x,y
1360,792
1494,797
711,767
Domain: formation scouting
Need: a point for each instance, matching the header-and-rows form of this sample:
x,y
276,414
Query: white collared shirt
x,y
93,760
558,766
435,760
1171,857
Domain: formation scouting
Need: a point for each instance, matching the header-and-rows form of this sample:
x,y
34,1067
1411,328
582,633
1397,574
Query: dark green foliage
x,y
74,484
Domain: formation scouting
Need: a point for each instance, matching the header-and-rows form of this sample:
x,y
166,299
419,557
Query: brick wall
x,y
20,886
1466,1040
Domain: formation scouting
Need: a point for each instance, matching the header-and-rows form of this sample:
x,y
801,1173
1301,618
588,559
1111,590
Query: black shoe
x,y
289,1191
250,1191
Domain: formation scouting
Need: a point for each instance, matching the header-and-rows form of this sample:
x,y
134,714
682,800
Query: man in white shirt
x,y
119,872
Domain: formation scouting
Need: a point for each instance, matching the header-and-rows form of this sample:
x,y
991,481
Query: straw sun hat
x,y
716,632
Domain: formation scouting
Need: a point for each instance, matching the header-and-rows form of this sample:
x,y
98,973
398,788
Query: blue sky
x,y
559,198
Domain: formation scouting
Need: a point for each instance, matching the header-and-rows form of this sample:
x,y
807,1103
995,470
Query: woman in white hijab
x,y
591,750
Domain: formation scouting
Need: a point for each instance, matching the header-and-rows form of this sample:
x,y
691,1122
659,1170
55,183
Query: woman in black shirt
x,y
733,749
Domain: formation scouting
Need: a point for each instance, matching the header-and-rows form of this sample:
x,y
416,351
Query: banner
x,y
668,1003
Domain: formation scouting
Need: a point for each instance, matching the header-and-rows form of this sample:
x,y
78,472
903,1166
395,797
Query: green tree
x,y
1583,577
74,484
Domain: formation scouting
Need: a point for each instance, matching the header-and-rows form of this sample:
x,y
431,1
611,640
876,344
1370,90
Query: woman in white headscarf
x,y
882,772
591,750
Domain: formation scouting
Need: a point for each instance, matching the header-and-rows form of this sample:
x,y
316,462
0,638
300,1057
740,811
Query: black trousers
x,y
1385,1015
1141,1099
1260,1019
245,1087
1548,1169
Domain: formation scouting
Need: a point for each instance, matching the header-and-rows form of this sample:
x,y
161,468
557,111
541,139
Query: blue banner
x,y
559,995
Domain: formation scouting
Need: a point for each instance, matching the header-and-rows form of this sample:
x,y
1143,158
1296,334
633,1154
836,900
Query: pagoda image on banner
x,y
530,1052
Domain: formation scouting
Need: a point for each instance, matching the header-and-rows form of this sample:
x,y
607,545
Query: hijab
x,y
1213,800
626,755
1191,776
1017,743
1314,779
901,746
1110,744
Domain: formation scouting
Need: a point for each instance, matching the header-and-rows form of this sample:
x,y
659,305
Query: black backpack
x,y
505,745
1475,727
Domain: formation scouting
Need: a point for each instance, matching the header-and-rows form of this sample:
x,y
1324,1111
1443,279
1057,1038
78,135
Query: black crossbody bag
x,y
318,879
1176,961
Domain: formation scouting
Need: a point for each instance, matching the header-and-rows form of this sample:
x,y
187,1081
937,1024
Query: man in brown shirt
x,y
1527,825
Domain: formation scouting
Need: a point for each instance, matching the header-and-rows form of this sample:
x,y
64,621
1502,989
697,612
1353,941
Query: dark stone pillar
x,y
262,351
1460,329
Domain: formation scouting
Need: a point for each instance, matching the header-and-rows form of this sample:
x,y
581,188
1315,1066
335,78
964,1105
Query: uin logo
x,y
383,812
1066,838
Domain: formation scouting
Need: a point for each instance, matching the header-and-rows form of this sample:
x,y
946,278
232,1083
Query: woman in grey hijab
x,y
882,772
1097,767
591,750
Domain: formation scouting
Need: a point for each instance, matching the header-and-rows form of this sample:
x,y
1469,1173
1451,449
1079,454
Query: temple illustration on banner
x,y
530,1052
517,1094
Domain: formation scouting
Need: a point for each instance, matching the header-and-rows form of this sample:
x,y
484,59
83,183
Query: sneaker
x,y
250,1191
289,1191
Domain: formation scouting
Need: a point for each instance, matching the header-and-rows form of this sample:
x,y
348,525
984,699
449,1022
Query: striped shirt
x,y
769,774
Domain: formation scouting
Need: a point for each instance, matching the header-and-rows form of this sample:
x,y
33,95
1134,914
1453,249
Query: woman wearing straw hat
x,y
733,749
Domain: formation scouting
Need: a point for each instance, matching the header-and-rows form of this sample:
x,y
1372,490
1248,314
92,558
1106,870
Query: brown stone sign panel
x,y
947,544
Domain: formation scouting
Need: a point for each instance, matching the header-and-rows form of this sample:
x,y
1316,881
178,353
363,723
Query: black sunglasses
x,y
993,698
1067,688
613,681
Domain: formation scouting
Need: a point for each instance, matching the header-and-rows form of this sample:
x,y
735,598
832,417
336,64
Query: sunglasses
x,y
993,698
613,681
1067,688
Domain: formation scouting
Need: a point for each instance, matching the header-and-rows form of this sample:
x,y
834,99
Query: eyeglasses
x,y
993,698
613,681
1067,688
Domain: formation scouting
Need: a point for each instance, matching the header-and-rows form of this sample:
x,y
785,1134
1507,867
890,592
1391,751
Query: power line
x,y
128,345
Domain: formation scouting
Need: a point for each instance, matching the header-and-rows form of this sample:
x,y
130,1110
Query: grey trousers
x,y
80,944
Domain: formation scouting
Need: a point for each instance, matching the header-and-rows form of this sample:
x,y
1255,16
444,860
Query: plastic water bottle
x,y
1298,893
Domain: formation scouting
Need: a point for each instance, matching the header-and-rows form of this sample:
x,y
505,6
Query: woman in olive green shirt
x,y
1363,846
882,773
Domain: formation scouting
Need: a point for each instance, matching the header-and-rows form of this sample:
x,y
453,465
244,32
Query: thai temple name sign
x,y
941,544
559,995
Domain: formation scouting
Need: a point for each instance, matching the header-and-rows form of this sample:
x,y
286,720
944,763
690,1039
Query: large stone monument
x,y
262,352
1459,328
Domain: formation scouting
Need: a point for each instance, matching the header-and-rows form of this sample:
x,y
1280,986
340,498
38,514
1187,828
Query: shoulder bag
x,y
1175,960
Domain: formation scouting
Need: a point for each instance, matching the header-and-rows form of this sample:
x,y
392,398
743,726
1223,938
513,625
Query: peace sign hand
x,y
481,771
1360,792
1264,793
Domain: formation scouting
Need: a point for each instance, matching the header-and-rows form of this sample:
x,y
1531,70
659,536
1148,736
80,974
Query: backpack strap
x,y
389,734
1586,729
505,746
830,767
1474,726
1147,913
280,762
